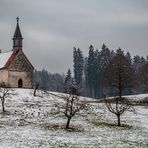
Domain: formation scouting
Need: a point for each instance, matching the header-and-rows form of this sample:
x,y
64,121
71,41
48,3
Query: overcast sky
x,y
51,28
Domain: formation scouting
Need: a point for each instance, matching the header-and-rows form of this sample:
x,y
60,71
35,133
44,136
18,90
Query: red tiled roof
x,y
7,58
10,59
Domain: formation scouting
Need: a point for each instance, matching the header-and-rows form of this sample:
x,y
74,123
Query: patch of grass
x,y
142,144
104,123
49,126
110,125
61,144
33,105
74,129
5,113
24,122
143,102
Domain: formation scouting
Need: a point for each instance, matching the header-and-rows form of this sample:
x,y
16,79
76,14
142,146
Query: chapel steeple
x,y
17,38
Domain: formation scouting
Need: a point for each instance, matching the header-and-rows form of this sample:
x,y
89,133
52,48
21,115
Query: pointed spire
x,y
17,33
17,38
17,19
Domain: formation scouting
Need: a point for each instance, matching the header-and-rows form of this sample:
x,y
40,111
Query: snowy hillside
x,y
28,122
139,97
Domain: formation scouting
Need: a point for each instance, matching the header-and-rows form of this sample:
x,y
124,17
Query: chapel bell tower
x,y
17,38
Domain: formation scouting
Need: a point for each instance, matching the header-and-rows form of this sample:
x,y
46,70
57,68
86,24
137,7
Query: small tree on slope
x,y
35,89
118,106
70,105
5,92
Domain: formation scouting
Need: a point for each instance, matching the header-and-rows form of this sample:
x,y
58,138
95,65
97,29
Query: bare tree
x,y
70,105
117,77
118,106
35,89
5,92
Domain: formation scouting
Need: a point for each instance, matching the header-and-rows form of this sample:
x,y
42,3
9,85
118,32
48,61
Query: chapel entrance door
x,y
20,83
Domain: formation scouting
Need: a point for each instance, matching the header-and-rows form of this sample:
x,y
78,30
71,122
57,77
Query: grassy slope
x,y
28,123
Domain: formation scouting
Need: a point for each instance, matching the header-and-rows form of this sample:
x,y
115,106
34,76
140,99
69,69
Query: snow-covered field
x,y
28,123
138,97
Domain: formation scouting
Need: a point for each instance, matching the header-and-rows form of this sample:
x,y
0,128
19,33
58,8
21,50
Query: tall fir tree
x,y
91,71
118,74
78,66
130,84
68,81
104,59
144,77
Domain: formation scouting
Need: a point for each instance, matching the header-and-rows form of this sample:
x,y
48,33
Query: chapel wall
x,y
26,77
4,76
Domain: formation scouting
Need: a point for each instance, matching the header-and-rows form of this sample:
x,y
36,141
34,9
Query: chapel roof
x,y
6,58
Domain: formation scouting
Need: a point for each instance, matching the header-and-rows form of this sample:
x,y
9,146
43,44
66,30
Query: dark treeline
x,y
48,81
95,75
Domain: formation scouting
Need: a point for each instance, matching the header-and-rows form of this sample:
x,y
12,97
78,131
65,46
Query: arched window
x,y
20,83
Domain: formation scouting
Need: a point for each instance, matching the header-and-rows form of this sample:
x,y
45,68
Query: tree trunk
x,y
34,93
36,87
3,105
68,122
119,123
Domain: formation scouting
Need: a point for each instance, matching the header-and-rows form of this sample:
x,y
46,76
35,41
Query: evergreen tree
x,y
68,81
128,57
144,77
104,59
118,74
78,66
45,79
130,84
85,85
91,70
94,67
138,63
96,74
147,58
137,59
142,61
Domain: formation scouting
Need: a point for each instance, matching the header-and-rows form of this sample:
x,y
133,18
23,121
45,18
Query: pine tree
x,y
118,74
144,77
78,66
129,88
147,58
138,63
85,86
128,57
91,71
68,81
104,59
